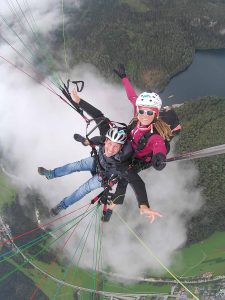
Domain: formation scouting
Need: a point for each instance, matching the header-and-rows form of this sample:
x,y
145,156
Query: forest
x,y
155,39
203,122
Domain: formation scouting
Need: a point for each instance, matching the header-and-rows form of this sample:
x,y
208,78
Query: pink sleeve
x,y
131,94
157,144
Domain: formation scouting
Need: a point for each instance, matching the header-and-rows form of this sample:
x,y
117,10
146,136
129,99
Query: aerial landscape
x,y
130,94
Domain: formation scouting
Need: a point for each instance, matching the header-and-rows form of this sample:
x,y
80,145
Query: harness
x,y
105,196
168,117
141,164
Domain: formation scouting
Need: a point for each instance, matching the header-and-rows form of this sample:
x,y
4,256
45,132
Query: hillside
x,y
203,126
155,39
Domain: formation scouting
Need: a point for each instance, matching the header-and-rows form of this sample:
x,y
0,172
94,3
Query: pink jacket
x,y
155,143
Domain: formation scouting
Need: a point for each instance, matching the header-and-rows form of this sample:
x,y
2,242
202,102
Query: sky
x,y
36,129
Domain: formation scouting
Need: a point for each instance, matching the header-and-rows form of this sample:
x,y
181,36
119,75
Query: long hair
x,y
161,127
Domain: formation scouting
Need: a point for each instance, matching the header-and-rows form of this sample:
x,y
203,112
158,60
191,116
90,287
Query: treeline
x,y
154,38
203,126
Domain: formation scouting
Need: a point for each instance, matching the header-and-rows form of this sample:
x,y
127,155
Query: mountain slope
x,y
155,39
203,126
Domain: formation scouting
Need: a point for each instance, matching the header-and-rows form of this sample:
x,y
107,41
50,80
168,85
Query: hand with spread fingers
x,y
144,210
75,96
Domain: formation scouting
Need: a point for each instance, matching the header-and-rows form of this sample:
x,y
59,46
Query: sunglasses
x,y
148,112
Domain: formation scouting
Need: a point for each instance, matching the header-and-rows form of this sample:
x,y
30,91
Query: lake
x,y
204,77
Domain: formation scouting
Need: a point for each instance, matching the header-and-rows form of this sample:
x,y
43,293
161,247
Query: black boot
x,y
106,217
44,172
56,210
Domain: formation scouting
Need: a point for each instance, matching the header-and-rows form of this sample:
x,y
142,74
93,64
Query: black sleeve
x,y
138,187
97,140
119,195
96,114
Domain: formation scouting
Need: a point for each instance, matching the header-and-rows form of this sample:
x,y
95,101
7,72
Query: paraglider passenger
x,y
114,157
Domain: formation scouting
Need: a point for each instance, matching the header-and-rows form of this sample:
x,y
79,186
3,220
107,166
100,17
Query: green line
x,y
64,41
98,253
154,256
39,44
34,43
39,238
56,76
71,260
30,258
94,253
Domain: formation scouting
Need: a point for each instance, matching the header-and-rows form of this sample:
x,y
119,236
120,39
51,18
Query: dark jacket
x,y
119,164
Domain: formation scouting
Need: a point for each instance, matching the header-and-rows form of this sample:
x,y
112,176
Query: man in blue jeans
x,y
113,159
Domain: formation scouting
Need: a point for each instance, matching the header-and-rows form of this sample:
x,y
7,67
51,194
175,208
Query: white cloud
x,y
36,129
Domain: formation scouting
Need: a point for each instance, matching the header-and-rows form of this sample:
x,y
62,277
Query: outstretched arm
x,y
139,188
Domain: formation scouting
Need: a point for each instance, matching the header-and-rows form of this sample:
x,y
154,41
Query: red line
x,y
54,261
27,61
21,70
50,89
39,227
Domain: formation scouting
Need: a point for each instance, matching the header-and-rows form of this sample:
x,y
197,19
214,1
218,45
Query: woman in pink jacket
x,y
151,128
149,133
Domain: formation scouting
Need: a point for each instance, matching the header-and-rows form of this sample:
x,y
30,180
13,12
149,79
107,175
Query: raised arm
x,y
131,94
93,112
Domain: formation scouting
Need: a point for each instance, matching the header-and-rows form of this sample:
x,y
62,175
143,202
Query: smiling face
x,y
112,148
145,115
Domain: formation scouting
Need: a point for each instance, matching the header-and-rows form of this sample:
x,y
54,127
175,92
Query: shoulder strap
x,y
131,126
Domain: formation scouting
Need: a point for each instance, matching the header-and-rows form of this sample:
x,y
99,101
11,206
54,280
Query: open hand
x,y
144,210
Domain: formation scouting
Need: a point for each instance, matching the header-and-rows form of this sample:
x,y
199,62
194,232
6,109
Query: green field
x,y
82,278
205,256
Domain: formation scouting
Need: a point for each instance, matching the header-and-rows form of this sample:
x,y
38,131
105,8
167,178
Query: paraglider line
x,y
64,40
86,232
38,285
27,61
42,226
19,267
51,90
154,256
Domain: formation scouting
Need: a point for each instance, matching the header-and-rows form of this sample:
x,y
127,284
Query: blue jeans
x,y
93,183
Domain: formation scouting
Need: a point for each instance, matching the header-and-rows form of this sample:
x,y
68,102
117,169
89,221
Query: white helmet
x,y
116,135
149,99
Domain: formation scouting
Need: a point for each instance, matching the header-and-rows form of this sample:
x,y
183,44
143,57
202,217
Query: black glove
x,y
121,71
159,161
79,138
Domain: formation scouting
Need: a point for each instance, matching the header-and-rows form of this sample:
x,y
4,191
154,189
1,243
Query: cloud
x,y
36,129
